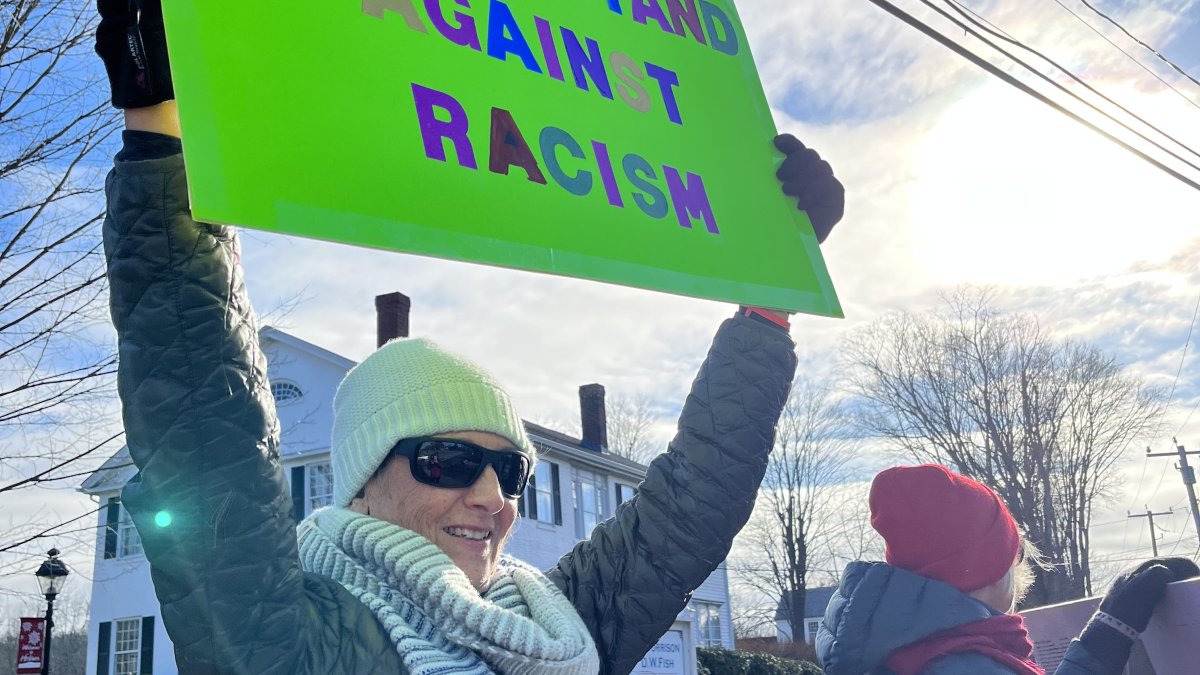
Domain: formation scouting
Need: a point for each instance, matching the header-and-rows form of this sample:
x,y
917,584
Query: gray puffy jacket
x,y
201,427
879,608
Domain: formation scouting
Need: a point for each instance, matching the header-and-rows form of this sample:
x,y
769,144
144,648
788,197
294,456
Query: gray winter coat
x,y
201,427
879,608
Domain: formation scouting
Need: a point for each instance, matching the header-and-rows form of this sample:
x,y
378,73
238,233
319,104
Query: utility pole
x,y
1153,533
1189,479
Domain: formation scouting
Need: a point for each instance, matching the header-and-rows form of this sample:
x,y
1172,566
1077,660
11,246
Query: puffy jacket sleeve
x,y
1079,661
201,428
635,574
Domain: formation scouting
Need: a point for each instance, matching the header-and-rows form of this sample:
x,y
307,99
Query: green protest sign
x,y
626,141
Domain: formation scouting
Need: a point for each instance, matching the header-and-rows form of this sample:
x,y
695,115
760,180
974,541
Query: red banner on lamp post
x,y
30,644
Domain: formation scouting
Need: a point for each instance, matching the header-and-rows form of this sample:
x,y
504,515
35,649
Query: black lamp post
x,y
51,576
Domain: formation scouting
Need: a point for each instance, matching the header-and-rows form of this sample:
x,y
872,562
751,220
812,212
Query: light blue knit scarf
x,y
522,625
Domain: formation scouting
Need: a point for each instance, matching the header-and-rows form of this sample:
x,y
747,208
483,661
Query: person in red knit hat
x,y
956,565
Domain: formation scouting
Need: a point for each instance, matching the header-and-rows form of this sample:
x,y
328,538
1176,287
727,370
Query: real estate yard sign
x,y
626,141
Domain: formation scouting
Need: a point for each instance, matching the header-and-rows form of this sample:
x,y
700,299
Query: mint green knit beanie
x,y
410,388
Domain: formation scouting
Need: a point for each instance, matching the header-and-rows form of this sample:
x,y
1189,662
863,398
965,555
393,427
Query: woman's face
x,y
470,525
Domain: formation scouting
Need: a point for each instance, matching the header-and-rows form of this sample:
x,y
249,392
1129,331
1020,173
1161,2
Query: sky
x,y
952,178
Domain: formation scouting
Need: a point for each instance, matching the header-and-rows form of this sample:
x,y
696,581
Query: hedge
x,y
714,661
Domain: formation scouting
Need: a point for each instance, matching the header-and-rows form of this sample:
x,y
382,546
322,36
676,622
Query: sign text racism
x,y
578,60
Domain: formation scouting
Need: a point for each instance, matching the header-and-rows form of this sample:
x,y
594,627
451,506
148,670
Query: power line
x,y
1186,342
1189,417
1149,515
1138,493
1056,85
1152,50
1189,478
1182,532
990,28
1131,57
1030,91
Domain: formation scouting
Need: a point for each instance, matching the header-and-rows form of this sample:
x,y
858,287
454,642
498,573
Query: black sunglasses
x,y
449,463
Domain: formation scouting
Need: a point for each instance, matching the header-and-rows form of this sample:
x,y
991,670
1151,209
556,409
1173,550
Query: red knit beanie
x,y
944,526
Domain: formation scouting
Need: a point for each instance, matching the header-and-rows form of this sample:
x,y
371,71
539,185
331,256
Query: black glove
x,y
133,45
810,179
1131,601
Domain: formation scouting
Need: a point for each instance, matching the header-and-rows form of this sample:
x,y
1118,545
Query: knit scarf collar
x,y
1002,638
522,625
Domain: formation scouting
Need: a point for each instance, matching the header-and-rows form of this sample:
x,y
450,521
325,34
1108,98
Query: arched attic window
x,y
286,392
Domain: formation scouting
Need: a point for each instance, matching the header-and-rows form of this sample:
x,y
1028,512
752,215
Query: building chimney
x,y
391,317
592,417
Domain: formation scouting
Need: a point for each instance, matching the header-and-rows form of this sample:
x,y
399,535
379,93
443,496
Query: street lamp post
x,y
51,576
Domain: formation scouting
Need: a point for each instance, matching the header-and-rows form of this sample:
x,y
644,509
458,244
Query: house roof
x,y
118,469
573,447
271,333
815,601
112,475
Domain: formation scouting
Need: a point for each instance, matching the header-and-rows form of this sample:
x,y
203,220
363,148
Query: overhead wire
x,y
1131,36
1131,57
1009,79
991,29
1186,342
1057,85
1138,493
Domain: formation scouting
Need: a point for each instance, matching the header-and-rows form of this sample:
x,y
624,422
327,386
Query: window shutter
x,y
103,644
557,494
298,493
147,661
529,496
532,492
112,520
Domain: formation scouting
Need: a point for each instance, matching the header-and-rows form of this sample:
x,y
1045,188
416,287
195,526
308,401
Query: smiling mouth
x,y
464,533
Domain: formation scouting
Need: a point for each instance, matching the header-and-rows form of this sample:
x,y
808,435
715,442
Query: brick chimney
x,y
391,317
592,417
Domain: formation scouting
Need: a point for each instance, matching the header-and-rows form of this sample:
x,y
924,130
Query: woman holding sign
x,y
406,572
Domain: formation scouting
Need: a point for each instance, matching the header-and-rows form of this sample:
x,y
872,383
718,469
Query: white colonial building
x,y
577,485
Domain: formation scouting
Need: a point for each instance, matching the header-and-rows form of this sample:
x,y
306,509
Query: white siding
x,y
121,589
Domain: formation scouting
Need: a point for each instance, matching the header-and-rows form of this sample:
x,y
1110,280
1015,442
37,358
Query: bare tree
x,y
845,535
808,467
752,610
56,360
630,424
1042,422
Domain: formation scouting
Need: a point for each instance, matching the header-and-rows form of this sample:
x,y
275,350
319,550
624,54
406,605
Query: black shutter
x,y
298,493
147,661
617,489
103,645
113,521
557,494
533,501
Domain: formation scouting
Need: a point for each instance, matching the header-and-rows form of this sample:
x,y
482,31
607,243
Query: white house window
x,y
708,618
589,500
119,536
544,506
129,542
127,647
813,627
286,392
624,493
320,485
